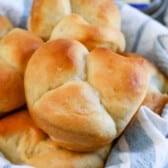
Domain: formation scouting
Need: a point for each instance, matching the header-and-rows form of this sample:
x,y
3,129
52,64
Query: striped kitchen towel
x,y
144,143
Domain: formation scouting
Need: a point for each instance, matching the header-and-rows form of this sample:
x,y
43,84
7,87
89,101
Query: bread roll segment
x,y
122,83
11,88
45,14
75,27
19,136
74,118
23,143
16,49
61,103
5,26
103,20
58,62
75,97
156,96
98,12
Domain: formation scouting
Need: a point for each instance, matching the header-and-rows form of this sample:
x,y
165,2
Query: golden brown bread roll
x,y
11,88
98,12
23,143
156,101
5,26
61,102
45,14
156,96
19,136
74,95
99,19
75,27
15,50
122,83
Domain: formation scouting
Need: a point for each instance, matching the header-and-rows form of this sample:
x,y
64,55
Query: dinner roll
x,y
15,50
5,26
61,102
81,99
75,27
23,143
156,96
99,19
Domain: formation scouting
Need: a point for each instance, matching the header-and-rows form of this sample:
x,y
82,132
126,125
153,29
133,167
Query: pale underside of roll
x,y
23,143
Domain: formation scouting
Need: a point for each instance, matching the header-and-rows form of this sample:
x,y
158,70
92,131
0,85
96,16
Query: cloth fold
x,y
144,144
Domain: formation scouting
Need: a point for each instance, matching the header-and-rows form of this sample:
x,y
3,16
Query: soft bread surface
x,y
23,143
156,96
81,99
98,12
19,136
122,83
46,14
75,27
5,26
15,50
102,17
11,88
61,102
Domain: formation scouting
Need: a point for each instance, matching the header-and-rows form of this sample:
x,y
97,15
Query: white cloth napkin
x,y
144,144
4,163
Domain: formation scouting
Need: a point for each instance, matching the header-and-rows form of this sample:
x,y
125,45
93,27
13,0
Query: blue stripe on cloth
x,y
159,39
114,158
140,6
141,147
139,35
27,6
7,166
166,165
